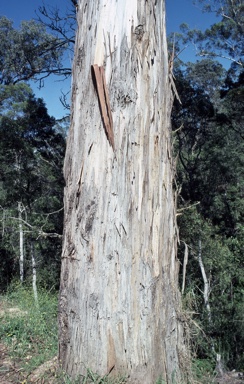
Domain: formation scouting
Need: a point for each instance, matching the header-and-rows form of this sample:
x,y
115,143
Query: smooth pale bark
x,y
33,264
184,269
206,294
119,298
21,242
206,290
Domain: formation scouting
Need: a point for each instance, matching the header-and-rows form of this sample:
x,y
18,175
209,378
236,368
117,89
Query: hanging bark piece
x,y
103,97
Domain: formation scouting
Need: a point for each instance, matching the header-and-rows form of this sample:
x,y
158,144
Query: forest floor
x,y
28,340
17,368
12,371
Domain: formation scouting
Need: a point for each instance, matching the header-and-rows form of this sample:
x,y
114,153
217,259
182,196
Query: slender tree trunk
x,y
206,289
119,299
33,264
21,243
3,222
206,294
184,269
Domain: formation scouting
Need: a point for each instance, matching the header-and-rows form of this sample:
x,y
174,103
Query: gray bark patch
x,y
91,212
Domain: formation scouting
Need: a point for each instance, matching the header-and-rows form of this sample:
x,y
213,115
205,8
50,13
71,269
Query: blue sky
x,y
177,12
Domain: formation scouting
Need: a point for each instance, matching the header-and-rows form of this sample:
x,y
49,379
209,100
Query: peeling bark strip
x,y
104,103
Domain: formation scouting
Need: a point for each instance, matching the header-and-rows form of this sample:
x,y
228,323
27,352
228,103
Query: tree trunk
x,y
21,242
206,291
119,298
33,265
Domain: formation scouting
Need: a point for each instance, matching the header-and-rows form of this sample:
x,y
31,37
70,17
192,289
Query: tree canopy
x,y
29,52
225,37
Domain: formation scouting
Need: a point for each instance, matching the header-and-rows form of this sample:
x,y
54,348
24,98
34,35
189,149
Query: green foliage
x,y
92,377
30,331
203,370
226,281
225,37
28,53
207,75
89,378
13,99
209,143
31,155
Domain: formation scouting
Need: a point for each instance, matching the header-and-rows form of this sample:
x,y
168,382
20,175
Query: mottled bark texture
x,y
119,297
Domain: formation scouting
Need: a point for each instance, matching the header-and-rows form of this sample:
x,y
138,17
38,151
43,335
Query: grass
x,y
203,371
30,332
92,377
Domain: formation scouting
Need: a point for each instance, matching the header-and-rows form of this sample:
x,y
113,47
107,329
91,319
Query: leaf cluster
x,y
223,39
29,52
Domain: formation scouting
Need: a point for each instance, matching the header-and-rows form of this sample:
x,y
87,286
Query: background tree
x,y
32,150
31,181
29,53
61,24
119,274
209,141
224,38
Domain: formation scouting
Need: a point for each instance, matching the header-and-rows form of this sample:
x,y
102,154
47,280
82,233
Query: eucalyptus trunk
x,y
206,290
33,265
21,242
119,299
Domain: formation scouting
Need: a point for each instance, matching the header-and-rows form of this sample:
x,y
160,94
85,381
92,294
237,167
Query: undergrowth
x,y
28,329
203,371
